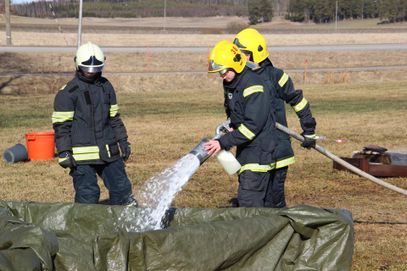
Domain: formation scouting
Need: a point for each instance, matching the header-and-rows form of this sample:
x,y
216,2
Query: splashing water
x,y
156,196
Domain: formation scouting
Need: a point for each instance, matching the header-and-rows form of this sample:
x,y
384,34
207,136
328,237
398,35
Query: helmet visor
x,y
92,65
214,67
238,44
91,69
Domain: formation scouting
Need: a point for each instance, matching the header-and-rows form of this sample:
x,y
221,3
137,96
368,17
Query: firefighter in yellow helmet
x,y
252,123
90,136
254,46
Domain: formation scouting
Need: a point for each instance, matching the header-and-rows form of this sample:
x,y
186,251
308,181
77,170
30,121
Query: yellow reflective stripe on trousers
x,y
253,89
283,80
86,153
61,116
255,167
246,132
285,162
300,106
114,108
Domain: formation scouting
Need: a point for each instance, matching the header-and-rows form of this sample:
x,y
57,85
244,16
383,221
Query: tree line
x,y
325,11
132,8
318,11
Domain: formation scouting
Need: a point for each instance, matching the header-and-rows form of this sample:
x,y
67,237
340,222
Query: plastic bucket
x,y
41,145
16,153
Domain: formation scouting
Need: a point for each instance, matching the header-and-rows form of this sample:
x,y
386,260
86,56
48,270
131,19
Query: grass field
x,y
167,114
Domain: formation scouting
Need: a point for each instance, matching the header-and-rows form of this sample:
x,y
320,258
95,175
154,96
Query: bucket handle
x,y
30,137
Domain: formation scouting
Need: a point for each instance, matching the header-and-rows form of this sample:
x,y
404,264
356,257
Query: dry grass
x,y
197,62
167,114
164,124
154,69
207,31
24,38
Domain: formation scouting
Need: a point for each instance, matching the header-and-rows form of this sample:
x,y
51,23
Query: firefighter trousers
x,y
275,197
253,188
114,178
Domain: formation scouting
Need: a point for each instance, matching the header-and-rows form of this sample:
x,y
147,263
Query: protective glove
x,y
309,141
66,160
125,149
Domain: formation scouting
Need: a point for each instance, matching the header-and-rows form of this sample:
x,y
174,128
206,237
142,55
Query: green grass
x,y
167,105
26,111
350,106
357,98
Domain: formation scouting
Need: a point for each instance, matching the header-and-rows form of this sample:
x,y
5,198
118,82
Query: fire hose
x,y
341,161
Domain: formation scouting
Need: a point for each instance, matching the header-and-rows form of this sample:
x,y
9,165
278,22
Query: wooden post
x,y
304,76
79,38
7,17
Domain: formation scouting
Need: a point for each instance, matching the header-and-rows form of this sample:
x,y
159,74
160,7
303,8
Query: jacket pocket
x,y
109,152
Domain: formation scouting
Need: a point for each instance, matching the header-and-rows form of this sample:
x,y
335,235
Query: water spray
x,y
158,192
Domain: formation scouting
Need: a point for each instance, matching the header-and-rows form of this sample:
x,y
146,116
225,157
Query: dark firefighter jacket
x,y
284,92
248,107
87,122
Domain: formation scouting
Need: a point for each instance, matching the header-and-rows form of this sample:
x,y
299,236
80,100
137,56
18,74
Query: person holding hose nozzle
x,y
89,133
254,46
252,122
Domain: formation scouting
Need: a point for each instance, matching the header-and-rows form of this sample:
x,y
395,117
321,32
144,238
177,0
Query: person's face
x,y
89,75
247,54
228,75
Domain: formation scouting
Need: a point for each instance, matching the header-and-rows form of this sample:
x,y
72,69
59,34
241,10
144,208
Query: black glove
x,y
125,149
65,159
309,141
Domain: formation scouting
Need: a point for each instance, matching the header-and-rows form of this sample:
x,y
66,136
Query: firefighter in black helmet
x,y
248,107
254,45
90,136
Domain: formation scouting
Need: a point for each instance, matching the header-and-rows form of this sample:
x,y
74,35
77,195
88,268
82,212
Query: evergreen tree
x,y
323,11
370,8
254,11
266,10
295,11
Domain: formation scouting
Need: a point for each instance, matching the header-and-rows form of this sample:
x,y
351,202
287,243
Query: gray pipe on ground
x,y
342,162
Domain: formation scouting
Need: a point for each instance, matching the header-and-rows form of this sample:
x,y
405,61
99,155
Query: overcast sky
x,y
21,1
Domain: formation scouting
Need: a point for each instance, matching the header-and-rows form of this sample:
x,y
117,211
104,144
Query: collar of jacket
x,y
231,86
87,80
265,63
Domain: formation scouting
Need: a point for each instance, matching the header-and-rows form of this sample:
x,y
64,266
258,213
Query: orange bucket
x,y
40,145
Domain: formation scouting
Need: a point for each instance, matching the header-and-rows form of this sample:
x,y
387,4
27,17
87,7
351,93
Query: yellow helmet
x,y
226,55
251,40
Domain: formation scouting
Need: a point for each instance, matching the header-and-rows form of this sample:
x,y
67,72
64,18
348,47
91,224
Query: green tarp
x,y
41,236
